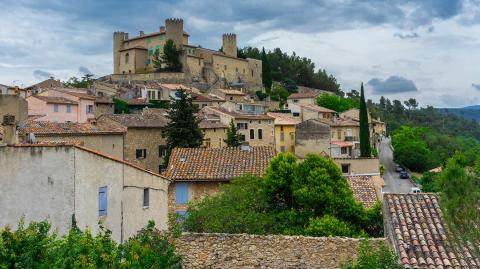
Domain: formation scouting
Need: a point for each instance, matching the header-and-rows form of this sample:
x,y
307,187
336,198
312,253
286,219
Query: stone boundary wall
x,y
201,250
164,77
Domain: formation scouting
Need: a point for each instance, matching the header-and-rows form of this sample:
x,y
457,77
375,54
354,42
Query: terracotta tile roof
x,y
42,128
143,120
76,93
240,116
134,101
134,48
363,190
416,228
317,108
209,124
343,143
340,122
201,97
55,100
217,164
283,119
307,94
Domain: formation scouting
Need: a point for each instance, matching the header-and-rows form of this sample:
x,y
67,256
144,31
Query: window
x,y
260,134
242,138
281,128
282,148
181,193
282,136
126,57
252,134
89,109
207,143
161,168
69,108
343,150
242,125
150,51
346,168
339,135
147,61
55,107
161,150
231,97
141,153
102,201
146,197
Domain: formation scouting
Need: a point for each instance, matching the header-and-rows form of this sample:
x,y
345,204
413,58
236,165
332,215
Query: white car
x,y
415,190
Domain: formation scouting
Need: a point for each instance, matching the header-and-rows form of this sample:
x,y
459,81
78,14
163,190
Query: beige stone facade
x,y
197,190
313,137
359,166
135,56
271,251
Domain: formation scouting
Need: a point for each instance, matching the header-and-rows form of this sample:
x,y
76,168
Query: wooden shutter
x,y
102,201
181,192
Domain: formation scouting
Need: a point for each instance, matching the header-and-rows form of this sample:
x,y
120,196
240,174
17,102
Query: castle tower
x,y
174,29
118,39
230,45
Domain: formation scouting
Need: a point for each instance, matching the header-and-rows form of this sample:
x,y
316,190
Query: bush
x,y
261,95
382,169
36,247
369,258
328,226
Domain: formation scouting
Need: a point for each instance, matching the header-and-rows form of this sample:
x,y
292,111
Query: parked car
x,y
415,190
399,168
404,175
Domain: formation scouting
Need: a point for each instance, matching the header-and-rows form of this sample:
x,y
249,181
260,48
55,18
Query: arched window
x,y
126,58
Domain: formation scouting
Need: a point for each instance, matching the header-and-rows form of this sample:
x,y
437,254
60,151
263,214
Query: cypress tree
x,y
266,72
365,150
233,137
182,130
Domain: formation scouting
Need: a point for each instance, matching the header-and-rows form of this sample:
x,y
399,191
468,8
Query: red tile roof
x,y
240,116
283,118
416,228
307,94
217,164
55,100
44,128
209,124
318,108
363,190
143,120
82,95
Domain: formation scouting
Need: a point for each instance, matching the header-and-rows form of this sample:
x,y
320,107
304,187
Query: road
x,y
393,183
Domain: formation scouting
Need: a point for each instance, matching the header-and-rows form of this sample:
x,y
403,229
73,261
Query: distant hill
x,y
468,112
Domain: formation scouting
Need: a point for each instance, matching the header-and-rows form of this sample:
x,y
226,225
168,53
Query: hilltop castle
x,y
133,57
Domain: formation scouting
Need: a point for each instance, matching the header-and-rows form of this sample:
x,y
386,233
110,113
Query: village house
x,y
232,95
256,129
197,172
62,183
312,136
134,57
43,85
61,105
284,131
365,190
416,228
296,100
313,111
14,105
104,137
377,127
104,105
214,131
144,144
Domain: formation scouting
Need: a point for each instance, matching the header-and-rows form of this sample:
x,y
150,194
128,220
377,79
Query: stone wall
x,y
274,251
163,77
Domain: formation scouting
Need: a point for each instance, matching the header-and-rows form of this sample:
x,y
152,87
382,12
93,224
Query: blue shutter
x,y
102,201
181,192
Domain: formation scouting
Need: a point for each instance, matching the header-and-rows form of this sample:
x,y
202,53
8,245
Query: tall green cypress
x,y
365,150
233,137
266,72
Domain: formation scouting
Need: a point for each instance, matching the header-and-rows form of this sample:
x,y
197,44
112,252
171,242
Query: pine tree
x,y
182,130
233,137
365,150
170,57
266,72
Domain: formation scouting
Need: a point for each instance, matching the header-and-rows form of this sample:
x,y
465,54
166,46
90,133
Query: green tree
x,y
365,150
335,102
279,93
266,72
169,60
328,226
85,82
460,199
370,257
120,106
233,137
182,129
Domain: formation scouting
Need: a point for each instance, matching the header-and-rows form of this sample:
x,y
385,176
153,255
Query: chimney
x,y
10,136
142,33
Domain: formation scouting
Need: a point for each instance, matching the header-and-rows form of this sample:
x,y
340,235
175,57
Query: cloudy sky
x,y
427,49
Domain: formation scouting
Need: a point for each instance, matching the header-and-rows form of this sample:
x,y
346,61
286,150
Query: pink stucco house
x,y
61,105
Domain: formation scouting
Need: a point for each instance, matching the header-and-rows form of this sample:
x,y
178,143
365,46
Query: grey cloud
x,y
393,84
431,29
41,74
476,86
406,36
84,71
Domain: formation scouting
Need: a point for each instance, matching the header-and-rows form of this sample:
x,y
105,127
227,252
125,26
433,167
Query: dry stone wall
x,y
273,251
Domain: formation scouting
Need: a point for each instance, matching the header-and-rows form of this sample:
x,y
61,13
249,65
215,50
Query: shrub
x,y
379,258
328,226
382,169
